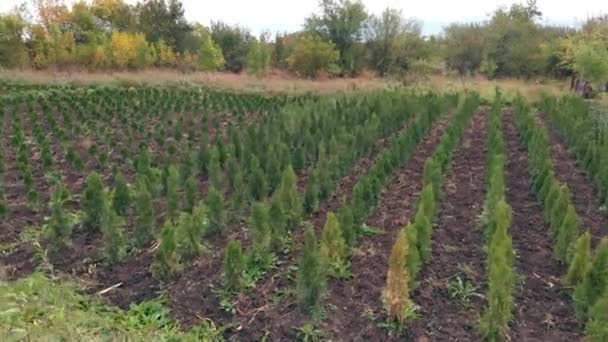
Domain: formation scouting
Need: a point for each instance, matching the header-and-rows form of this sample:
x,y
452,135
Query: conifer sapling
x,y
396,294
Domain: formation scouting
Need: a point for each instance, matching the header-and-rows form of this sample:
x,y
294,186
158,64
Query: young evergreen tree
x,y
191,192
396,294
347,224
93,201
122,195
335,247
216,212
288,197
234,266
424,234
112,227
260,229
172,193
432,174
258,187
216,178
190,234
558,211
596,329
497,315
311,275
595,282
59,228
239,195
566,235
277,226
414,263
145,216
311,196
166,266
581,260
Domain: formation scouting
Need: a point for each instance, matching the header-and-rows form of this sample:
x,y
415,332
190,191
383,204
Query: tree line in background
x,y
343,39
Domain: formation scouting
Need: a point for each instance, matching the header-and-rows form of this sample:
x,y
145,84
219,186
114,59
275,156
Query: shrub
x,y
166,266
581,260
396,294
347,224
312,55
234,266
311,274
595,282
334,247
277,226
217,214
122,195
558,210
93,201
413,256
424,234
145,215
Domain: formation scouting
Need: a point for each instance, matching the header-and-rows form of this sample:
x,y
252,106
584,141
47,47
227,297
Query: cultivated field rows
x,y
387,216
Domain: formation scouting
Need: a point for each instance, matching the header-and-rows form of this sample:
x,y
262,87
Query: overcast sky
x,y
288,15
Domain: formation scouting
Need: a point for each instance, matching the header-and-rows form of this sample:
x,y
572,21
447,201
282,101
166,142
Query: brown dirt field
x,y
457,246
584,196
543,308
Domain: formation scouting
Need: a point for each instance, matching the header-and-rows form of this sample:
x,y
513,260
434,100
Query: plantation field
x,y
192,213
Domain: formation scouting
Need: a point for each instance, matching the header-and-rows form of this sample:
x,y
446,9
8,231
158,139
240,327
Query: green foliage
x,y
258,58
596,329
288,198
36,308
166,264
59,228
501,278
145,216
311,274
122,195
594,283
591,61
261,229
581,260
172,193
566,235
93,201
278,232
210,54
112,227
191,192
216,212
347,224
414,262
424,234
234,266
312,55
192,226
333,247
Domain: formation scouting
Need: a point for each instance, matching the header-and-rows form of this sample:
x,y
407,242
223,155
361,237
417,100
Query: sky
x,y
288,15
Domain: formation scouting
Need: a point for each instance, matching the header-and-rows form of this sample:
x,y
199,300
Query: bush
x,y
595,282
190,234
312,55
145,220
93,201
396,294
166,266
234,266
311,274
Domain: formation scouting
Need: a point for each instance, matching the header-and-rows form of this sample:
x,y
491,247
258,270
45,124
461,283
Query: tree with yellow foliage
x,y
396,294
